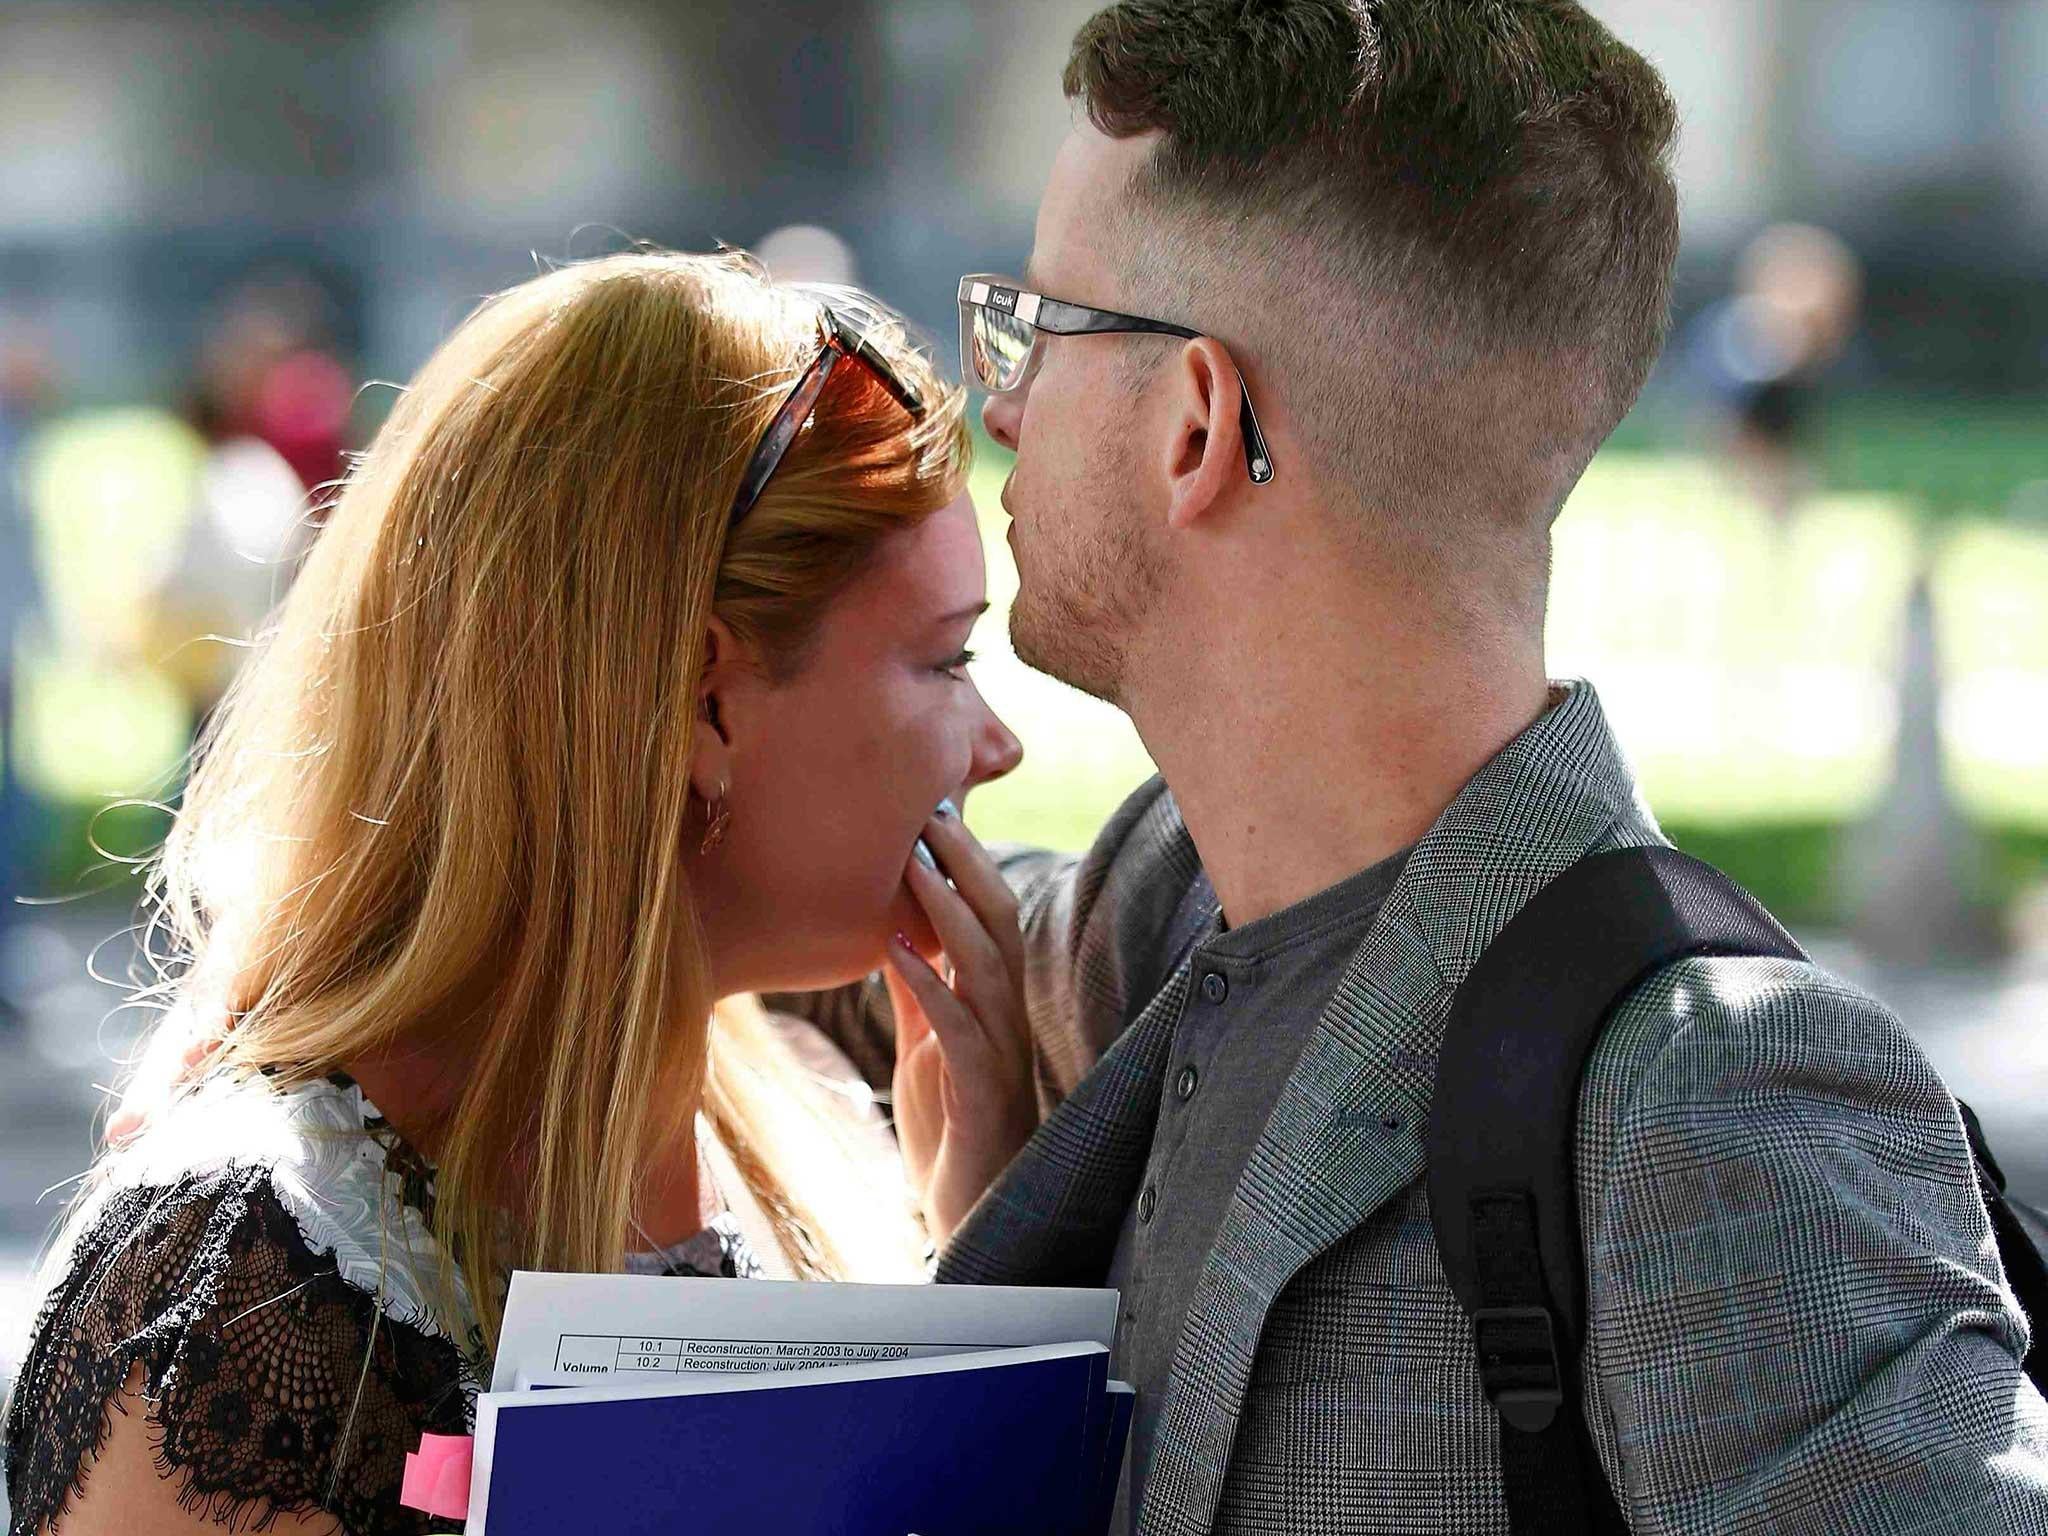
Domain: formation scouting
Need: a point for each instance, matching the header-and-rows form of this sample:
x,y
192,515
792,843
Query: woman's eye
x,y
958,665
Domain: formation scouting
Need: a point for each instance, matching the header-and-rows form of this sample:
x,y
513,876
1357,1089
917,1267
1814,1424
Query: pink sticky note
x,y
437,1476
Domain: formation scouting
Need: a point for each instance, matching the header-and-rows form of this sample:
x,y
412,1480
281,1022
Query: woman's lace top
x,y
264,1259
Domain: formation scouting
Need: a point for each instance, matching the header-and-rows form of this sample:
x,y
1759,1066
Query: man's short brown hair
x,y
1471,197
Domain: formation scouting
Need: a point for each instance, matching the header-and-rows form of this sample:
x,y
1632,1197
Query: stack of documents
x,y
629,1403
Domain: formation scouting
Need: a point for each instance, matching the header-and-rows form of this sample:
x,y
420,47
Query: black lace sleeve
x,y
270,1380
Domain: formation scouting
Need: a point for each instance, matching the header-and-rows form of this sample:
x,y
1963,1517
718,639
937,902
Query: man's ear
x,y
721,700
1206,446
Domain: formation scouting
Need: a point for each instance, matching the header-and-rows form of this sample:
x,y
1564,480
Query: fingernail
x,y
924,857
948,808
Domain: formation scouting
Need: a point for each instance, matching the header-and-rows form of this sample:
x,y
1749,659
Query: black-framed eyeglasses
x,y
1002,338
841,340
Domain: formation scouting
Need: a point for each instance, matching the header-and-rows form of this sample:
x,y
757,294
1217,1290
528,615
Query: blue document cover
x,y
1000,1443
1110,1463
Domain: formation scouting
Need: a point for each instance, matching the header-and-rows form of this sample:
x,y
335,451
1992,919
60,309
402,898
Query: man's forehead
x,y
1087,187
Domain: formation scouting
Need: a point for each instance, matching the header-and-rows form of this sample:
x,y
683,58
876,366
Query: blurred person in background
x,y
271,402
1763,355
620,686
24,396
267,371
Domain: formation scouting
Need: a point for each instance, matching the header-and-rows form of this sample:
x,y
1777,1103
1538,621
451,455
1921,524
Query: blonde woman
x,y
619,688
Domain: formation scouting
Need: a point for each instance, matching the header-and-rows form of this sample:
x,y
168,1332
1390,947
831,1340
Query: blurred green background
x,y
1751,664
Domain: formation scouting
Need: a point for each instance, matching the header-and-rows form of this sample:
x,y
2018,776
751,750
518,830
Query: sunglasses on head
x,y
841,341
1002,340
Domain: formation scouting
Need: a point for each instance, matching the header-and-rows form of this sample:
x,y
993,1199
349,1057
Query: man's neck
x,y
1309,740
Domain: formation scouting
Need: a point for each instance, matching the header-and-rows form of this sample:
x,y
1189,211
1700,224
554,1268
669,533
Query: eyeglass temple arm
x,y
1064,319
1258,463
795,410
853,344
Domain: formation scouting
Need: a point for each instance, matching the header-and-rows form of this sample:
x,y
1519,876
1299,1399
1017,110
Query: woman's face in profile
x,y
835,772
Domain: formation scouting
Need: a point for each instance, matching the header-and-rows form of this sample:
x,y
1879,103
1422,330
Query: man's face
x,y
1080,498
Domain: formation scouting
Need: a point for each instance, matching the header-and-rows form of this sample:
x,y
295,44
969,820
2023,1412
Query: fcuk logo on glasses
x,y
1002,298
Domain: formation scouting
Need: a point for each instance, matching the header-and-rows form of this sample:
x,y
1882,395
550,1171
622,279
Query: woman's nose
x,y
996,749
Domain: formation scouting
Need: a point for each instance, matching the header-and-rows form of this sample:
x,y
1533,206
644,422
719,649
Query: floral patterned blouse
x,y
264,1257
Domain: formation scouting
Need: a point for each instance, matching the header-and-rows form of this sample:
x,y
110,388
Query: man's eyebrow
x,y
1028,278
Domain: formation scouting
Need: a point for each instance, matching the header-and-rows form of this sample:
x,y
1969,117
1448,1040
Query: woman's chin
x,y
925,941
908,919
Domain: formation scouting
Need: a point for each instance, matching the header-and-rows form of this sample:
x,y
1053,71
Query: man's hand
x,y
965,1096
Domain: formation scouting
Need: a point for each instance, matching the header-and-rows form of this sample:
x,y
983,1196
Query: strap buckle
x,y
1519,1364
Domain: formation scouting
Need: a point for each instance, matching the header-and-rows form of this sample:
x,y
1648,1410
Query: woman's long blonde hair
x,y
446,803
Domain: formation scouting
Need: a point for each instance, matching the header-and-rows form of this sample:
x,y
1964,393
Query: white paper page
x,y
596,1330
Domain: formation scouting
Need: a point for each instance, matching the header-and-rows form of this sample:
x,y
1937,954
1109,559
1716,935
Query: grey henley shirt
x,y
1254,997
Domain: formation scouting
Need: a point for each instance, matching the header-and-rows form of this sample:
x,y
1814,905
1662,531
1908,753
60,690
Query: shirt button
x,y
1215,987
1185,1087
1148,1202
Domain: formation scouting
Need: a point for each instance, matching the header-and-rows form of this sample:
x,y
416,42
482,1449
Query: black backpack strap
x,y
2019,1230
1503,1126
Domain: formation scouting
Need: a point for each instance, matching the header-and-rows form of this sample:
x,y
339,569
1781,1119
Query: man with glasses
x,y
1433,241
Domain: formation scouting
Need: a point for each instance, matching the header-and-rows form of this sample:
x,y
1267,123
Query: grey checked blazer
x,y
1798,1319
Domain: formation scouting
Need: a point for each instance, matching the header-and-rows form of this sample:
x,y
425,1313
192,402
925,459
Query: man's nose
x,y
1003,415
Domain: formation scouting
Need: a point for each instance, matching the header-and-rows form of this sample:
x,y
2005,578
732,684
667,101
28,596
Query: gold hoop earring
x,y
718,816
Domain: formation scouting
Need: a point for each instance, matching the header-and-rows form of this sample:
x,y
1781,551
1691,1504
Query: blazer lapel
x,y
1346,1133
1052,1217
1344,1137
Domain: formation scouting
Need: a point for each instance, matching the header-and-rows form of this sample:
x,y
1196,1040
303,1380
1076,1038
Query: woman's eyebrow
x,y
971,611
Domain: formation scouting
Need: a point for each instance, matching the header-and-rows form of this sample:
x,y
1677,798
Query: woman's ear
x,y
720,697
